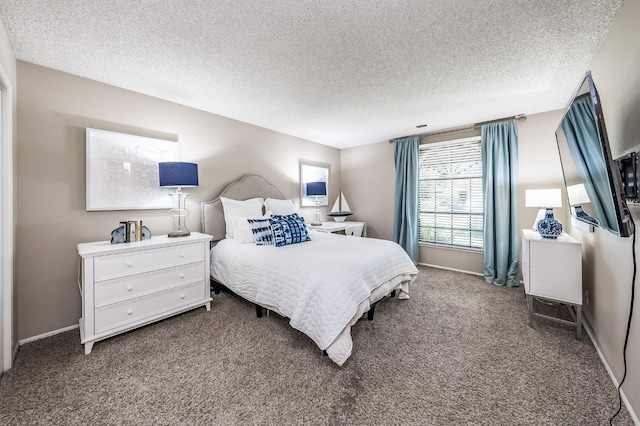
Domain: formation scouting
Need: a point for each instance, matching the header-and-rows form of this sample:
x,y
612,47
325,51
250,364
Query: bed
x,y
323,286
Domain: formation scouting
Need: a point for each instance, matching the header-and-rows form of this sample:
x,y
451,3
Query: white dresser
x,y
124,286
552,270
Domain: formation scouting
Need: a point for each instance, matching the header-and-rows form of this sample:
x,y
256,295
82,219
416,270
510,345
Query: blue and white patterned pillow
x,y
289,229
262,232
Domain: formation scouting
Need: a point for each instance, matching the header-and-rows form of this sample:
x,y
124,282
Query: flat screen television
x,y
593,181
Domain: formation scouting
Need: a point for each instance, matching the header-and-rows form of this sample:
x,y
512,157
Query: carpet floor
x,y
459,352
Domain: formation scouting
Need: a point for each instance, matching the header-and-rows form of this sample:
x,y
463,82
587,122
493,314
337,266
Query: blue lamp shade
x,y
178,174
316,188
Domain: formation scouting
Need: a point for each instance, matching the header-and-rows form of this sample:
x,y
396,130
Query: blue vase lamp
x,y
549,227
545,199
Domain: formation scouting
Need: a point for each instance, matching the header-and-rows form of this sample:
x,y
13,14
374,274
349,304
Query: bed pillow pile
x,y
289,229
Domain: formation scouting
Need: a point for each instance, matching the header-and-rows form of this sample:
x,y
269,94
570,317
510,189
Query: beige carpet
x,y
458,353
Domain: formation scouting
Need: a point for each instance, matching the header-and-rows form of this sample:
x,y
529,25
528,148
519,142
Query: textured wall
x,y
54,109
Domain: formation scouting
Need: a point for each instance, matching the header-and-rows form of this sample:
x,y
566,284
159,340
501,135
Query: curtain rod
x,y
519,117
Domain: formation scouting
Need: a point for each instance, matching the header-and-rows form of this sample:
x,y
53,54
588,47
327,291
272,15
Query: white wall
x,y
368,179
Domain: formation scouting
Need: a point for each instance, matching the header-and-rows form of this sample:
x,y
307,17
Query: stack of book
x,y
132,230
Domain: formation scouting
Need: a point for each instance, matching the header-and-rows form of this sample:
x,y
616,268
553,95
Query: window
x,y
450,201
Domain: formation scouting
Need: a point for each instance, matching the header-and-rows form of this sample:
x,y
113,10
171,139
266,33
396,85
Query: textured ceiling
x,y
342,73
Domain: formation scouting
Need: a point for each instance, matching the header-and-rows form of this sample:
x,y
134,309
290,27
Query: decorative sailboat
x,y
340,209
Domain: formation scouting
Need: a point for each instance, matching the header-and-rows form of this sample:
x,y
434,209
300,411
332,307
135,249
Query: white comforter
x,y
323,286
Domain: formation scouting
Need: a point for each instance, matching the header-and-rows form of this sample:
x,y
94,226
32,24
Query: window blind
x,y
450,199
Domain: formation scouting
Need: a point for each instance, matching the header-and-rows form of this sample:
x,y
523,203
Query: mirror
x,y
314,173
592,179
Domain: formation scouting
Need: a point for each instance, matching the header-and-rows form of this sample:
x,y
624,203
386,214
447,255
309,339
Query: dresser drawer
x,y
141,308
129,287
122,265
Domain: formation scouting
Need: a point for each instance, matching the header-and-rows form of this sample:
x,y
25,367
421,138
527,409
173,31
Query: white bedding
x,y
323,286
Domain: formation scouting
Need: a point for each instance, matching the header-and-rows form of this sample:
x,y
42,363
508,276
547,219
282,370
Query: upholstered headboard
x,y
248,186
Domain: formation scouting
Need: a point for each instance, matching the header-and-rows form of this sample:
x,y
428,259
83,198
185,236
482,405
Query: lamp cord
x,y
626,337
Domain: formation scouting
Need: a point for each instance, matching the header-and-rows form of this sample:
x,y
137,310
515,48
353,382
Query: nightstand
x,y
339,227
128,285
552,270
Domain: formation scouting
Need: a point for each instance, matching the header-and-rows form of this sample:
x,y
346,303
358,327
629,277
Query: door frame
x,y
6,219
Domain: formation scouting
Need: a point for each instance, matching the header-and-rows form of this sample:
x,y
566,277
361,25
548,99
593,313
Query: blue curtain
x,y
500,181
579,126
405,223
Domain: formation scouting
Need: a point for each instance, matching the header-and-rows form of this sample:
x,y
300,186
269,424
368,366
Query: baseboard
x,y
451,269
49,334
627,404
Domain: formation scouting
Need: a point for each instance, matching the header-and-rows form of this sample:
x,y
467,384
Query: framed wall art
x,y
122,171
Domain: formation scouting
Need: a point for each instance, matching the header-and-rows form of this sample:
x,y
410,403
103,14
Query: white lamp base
x,y
316,216
179,214
539,217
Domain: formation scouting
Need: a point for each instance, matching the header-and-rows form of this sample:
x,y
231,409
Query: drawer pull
x,y
181,254
182,296
181,275
129,264
129,287
129,311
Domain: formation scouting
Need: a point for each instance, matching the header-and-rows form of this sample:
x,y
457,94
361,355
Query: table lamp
x,y
174,174
316,190
546,200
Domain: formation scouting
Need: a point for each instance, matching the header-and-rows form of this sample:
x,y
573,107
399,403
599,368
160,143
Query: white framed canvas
x,y
313,173
122,171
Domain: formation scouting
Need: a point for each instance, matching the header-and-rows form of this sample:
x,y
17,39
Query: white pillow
x,y
281,207
242,232
247,208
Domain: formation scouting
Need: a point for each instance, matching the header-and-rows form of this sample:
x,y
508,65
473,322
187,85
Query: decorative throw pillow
x,y
246,208
262,232
290,229
242,232
280,207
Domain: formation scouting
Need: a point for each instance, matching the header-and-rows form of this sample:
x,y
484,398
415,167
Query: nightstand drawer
x,y
128,287
124,313
122,265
